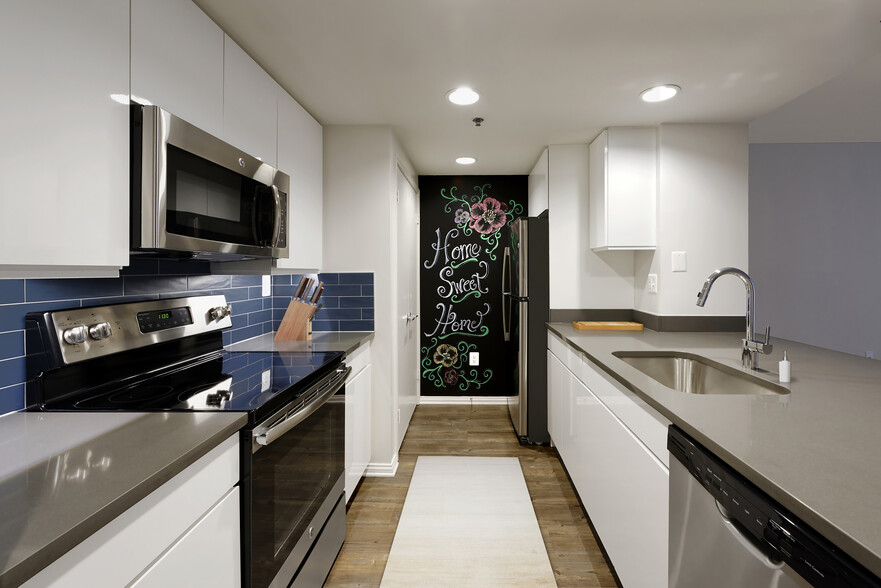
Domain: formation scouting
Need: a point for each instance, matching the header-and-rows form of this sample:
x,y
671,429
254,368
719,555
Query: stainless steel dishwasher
x,y
725,532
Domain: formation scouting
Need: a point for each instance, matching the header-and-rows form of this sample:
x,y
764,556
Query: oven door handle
x,y
266,437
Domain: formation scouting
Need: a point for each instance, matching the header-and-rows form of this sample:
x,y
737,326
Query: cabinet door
x,y
357,429
177,61
624,489
250,105
64,178
300,155
556,391
623,188
209,554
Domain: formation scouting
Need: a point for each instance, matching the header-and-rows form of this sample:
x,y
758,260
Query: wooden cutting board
x,y
606,326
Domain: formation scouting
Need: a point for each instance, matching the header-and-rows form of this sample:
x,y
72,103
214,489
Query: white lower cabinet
x,y
621,482
183,530
357,418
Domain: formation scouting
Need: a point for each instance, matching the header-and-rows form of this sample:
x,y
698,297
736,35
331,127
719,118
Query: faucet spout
x,y
751,346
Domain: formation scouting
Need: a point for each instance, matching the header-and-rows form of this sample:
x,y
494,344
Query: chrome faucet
x,y
751,346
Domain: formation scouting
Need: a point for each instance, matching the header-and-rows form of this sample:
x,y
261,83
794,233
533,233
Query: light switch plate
x,y
474,358
679,261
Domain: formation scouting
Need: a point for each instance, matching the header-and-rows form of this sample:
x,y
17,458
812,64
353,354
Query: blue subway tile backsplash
x,y
347,304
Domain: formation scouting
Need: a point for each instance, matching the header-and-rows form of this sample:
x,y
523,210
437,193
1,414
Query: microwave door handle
x,y
276,225
269,435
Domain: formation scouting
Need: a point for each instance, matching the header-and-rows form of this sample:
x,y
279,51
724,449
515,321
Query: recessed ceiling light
x,y
660,93
465,160
463,96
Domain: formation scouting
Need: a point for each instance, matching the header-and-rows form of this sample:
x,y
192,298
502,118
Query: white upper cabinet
x,y
177,61
623,189
64,179
300,155
250,105
537,199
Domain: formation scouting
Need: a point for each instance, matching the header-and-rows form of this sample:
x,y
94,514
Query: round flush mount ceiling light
x,y
466,160
659,93
463,96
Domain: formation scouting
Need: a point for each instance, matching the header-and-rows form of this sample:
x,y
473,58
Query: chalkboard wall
x,y
462,241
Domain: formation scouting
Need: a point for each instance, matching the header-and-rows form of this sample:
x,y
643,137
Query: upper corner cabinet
x,y
623,189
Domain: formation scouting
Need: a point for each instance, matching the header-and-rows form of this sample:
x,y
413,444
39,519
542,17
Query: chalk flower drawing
x,y
488,216
462,216
451,377
445,355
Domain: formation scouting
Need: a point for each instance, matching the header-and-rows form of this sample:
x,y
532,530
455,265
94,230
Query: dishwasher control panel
x,y
765,523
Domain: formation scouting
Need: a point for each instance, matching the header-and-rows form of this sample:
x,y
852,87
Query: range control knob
x,y
75,335
100,331
219,312
218,398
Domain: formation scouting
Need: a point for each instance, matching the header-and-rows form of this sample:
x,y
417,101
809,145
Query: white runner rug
x,y
468,521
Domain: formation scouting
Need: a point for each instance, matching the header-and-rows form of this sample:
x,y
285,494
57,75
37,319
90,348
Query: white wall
x,y
815,213
580,278
703,208
537,190
359,234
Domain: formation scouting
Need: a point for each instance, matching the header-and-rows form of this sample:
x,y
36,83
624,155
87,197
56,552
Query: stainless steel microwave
x,y
196,196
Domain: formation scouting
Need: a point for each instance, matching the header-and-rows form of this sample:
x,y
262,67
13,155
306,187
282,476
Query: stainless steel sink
x,y
694,374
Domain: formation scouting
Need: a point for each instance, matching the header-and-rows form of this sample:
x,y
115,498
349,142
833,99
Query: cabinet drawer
x,y
565,353
358,359
643,420
557,345
208,555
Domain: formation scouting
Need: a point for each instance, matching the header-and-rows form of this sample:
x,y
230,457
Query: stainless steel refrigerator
x,y
525,304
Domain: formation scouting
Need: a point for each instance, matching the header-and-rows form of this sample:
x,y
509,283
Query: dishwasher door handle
x,y
746,543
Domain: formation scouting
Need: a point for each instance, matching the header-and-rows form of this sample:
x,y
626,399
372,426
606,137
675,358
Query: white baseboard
x,y
382,470
467,400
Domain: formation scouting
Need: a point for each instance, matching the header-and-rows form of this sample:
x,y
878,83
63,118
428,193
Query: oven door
x,y
296,481
203,196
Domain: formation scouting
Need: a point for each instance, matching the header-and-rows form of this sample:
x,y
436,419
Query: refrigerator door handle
x,y
506,272
506,294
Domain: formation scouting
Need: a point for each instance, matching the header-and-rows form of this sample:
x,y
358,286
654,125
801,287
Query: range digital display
x,y
151,321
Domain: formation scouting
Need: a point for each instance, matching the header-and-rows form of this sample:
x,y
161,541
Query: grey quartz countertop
x,y
817,450
65,475
346,341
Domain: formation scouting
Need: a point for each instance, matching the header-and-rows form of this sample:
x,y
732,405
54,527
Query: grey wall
x,y
815,242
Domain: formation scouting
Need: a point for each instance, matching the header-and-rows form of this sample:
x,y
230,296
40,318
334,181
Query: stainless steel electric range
x,y
167,355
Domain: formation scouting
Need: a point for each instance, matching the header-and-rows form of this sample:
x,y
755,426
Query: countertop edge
x,y
827,528
48,554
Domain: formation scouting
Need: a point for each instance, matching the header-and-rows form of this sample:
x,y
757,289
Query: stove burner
x,y
259,400
139,394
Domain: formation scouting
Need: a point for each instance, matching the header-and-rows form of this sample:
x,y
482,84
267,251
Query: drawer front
x,y
643,420
358,359
557,345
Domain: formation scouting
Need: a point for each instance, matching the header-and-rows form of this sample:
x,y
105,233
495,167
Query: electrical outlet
x,y
474,358
267,286
265,380
652,284
870,354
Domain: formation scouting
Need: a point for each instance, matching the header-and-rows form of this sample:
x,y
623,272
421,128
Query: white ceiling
x,y
549,71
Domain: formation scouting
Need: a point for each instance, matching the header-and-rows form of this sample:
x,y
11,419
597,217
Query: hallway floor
x,y
471,431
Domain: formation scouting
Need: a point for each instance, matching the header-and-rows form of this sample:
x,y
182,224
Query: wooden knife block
x,y
296,325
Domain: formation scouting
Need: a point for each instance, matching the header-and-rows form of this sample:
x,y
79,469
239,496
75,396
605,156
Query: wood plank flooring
x,y
478,431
